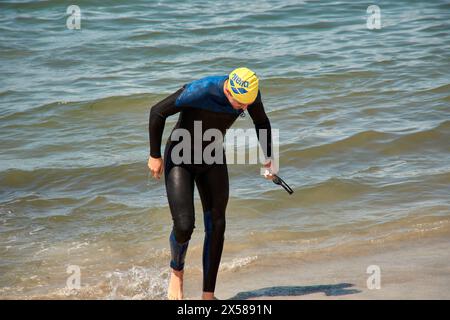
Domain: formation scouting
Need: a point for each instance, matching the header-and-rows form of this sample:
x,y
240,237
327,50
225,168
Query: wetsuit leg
x,y
213,188
180,193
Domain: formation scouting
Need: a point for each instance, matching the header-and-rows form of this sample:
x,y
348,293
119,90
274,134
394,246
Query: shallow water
x,y
363,118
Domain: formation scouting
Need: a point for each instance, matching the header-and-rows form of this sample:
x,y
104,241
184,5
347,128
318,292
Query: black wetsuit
x,y
202,100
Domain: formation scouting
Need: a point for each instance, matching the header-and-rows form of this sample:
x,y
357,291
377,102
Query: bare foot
x,y
208,296
175,290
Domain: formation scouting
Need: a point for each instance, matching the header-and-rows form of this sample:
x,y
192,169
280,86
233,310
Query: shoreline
x,y
412,269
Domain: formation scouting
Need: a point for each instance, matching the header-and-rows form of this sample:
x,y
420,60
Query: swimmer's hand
x,y
156,166
268,170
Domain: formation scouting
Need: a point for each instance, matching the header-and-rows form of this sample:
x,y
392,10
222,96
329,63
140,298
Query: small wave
x,y
429,222
433,28
435,138
440,89
138,283
361,140
7,93
143,280
237,263
29,5
287,235
317,113
77,246
116,104
36,230
70,109
148,35
51,177
348,74
318,25
218,29
40,110
333,190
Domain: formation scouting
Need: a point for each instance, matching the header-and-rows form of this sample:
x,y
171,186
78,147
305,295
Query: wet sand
x,y
416,269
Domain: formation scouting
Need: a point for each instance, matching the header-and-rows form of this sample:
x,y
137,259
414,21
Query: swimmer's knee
x,y
216,224
183,232
219,225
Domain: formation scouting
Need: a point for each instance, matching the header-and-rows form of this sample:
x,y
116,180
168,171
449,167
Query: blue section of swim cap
x,y
242,90
235,90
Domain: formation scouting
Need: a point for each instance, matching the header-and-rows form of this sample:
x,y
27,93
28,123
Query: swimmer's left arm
x,y
262,126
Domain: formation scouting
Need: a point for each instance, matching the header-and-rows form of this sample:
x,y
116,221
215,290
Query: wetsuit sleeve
x,y
261,121
157,119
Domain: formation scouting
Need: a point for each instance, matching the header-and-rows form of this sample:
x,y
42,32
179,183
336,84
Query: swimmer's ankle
x,y
208,296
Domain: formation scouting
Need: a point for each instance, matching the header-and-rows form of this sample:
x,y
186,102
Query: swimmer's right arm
x,y
157,119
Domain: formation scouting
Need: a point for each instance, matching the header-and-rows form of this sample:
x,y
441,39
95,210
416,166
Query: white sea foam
x,y
237,263
138,283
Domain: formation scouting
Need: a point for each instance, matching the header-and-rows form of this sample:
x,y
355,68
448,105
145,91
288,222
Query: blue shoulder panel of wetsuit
x,y
206,93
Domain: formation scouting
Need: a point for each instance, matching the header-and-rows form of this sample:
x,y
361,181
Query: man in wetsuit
x,y
215,102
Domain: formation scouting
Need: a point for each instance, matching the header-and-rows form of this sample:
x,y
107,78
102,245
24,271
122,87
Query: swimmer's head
x,y
242,85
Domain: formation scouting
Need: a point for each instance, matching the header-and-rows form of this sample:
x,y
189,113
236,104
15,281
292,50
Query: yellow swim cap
x,y
243,85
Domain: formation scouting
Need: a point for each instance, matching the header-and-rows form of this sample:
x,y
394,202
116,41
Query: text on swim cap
x,y
239,81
